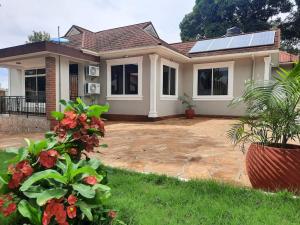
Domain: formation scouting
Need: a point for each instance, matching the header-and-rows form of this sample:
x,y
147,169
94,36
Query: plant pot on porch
x,y
190,113
273,169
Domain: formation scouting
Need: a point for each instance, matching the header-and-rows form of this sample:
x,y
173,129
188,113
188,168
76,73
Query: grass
x,y
154,200
159,200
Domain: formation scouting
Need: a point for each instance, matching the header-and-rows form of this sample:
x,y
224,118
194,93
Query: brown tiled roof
x,y
46,47
285,57
132,36
183,47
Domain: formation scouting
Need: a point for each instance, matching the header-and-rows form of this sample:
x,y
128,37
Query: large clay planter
x,y
274,169
190,113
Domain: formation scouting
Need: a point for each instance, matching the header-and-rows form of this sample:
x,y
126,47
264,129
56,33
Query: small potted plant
x,y
188,102
270,126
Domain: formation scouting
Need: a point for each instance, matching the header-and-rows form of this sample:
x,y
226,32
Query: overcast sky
x,y
18,18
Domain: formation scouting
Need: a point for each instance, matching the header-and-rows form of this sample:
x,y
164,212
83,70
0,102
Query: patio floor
x,y
177,147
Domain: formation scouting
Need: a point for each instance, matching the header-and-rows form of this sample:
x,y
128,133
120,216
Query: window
x,y
124,79
213,81
35,85
169,80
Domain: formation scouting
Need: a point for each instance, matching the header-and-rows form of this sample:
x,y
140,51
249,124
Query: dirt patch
x,y
182,148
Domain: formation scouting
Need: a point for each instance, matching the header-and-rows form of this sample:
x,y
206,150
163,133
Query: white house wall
x,y
16,82
168,107
128,107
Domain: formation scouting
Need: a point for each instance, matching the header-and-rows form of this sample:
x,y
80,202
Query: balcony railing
x,y
21,105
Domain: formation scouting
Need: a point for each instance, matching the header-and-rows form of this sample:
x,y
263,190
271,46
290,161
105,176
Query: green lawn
x,y
154,200
159,200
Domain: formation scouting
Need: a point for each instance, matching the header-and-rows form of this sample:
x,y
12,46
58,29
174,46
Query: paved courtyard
x,y
177,147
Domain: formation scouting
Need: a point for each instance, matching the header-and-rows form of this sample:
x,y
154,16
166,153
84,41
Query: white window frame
x,y
124,61
165,62
229,96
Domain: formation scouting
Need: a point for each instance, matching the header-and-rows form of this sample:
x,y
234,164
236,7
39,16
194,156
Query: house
x,y
140,75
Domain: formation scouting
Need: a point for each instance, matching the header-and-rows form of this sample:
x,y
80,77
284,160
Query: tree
x,y
211,18
291,31
38,36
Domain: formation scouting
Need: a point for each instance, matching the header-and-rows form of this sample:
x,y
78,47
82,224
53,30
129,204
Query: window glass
x,y
204,81
169,80
41,72
117,80
213,81
73,69
131,79
172,81
30,72
165,80
35,85
220,81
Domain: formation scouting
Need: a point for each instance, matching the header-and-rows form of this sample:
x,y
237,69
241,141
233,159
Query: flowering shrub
x,y
53,181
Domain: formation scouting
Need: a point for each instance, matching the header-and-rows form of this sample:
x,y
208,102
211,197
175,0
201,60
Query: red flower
x,y
10,209
19,173
48,158
60,213
76,135
72,200
98,124
73,151
71,211
91,180
82,118
70,114
112,214
89,148
57,209
85,138
69,123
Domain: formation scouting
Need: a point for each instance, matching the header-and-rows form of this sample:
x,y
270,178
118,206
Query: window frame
x,y
36,79
174,65
229,96
125,61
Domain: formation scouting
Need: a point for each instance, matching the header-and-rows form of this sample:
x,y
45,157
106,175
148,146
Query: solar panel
x,y
239,41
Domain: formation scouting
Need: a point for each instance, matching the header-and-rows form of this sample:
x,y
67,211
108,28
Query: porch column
x,y
153,81
267,67
50,89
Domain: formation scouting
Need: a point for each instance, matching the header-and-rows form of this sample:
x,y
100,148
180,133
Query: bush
x,y
53,181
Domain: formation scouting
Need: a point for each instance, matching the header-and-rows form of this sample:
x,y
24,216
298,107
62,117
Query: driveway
x,y
182,148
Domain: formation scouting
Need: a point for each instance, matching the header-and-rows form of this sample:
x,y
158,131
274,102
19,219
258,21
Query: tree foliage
x,y
37,36
291,30
211,18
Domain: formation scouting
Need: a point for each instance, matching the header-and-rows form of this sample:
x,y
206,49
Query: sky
x,y
18,18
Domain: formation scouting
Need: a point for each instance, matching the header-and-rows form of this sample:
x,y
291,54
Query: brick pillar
x,y
50,89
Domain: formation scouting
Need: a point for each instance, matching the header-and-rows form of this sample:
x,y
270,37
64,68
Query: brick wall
x,y
50,89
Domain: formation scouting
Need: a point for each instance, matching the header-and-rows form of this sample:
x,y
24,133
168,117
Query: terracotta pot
x,y
274,169
190,113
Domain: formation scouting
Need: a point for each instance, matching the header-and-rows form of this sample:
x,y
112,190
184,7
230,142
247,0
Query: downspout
x,y
59,74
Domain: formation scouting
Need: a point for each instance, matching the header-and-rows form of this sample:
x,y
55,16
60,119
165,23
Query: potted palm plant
x,y
188,102
272,127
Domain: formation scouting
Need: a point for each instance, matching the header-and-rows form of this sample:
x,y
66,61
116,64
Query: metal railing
x,y
21,105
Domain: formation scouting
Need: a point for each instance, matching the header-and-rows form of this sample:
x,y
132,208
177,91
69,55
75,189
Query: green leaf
x,y
39,146
5,160
57,115
30,211
4,178
88,170
50,194
97,110
47,174
85,190
63,102
85,209
34,191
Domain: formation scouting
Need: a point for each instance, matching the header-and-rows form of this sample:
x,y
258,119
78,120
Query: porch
x,y
40,74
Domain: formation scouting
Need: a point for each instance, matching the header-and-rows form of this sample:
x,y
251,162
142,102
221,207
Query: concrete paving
x,y
183,148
